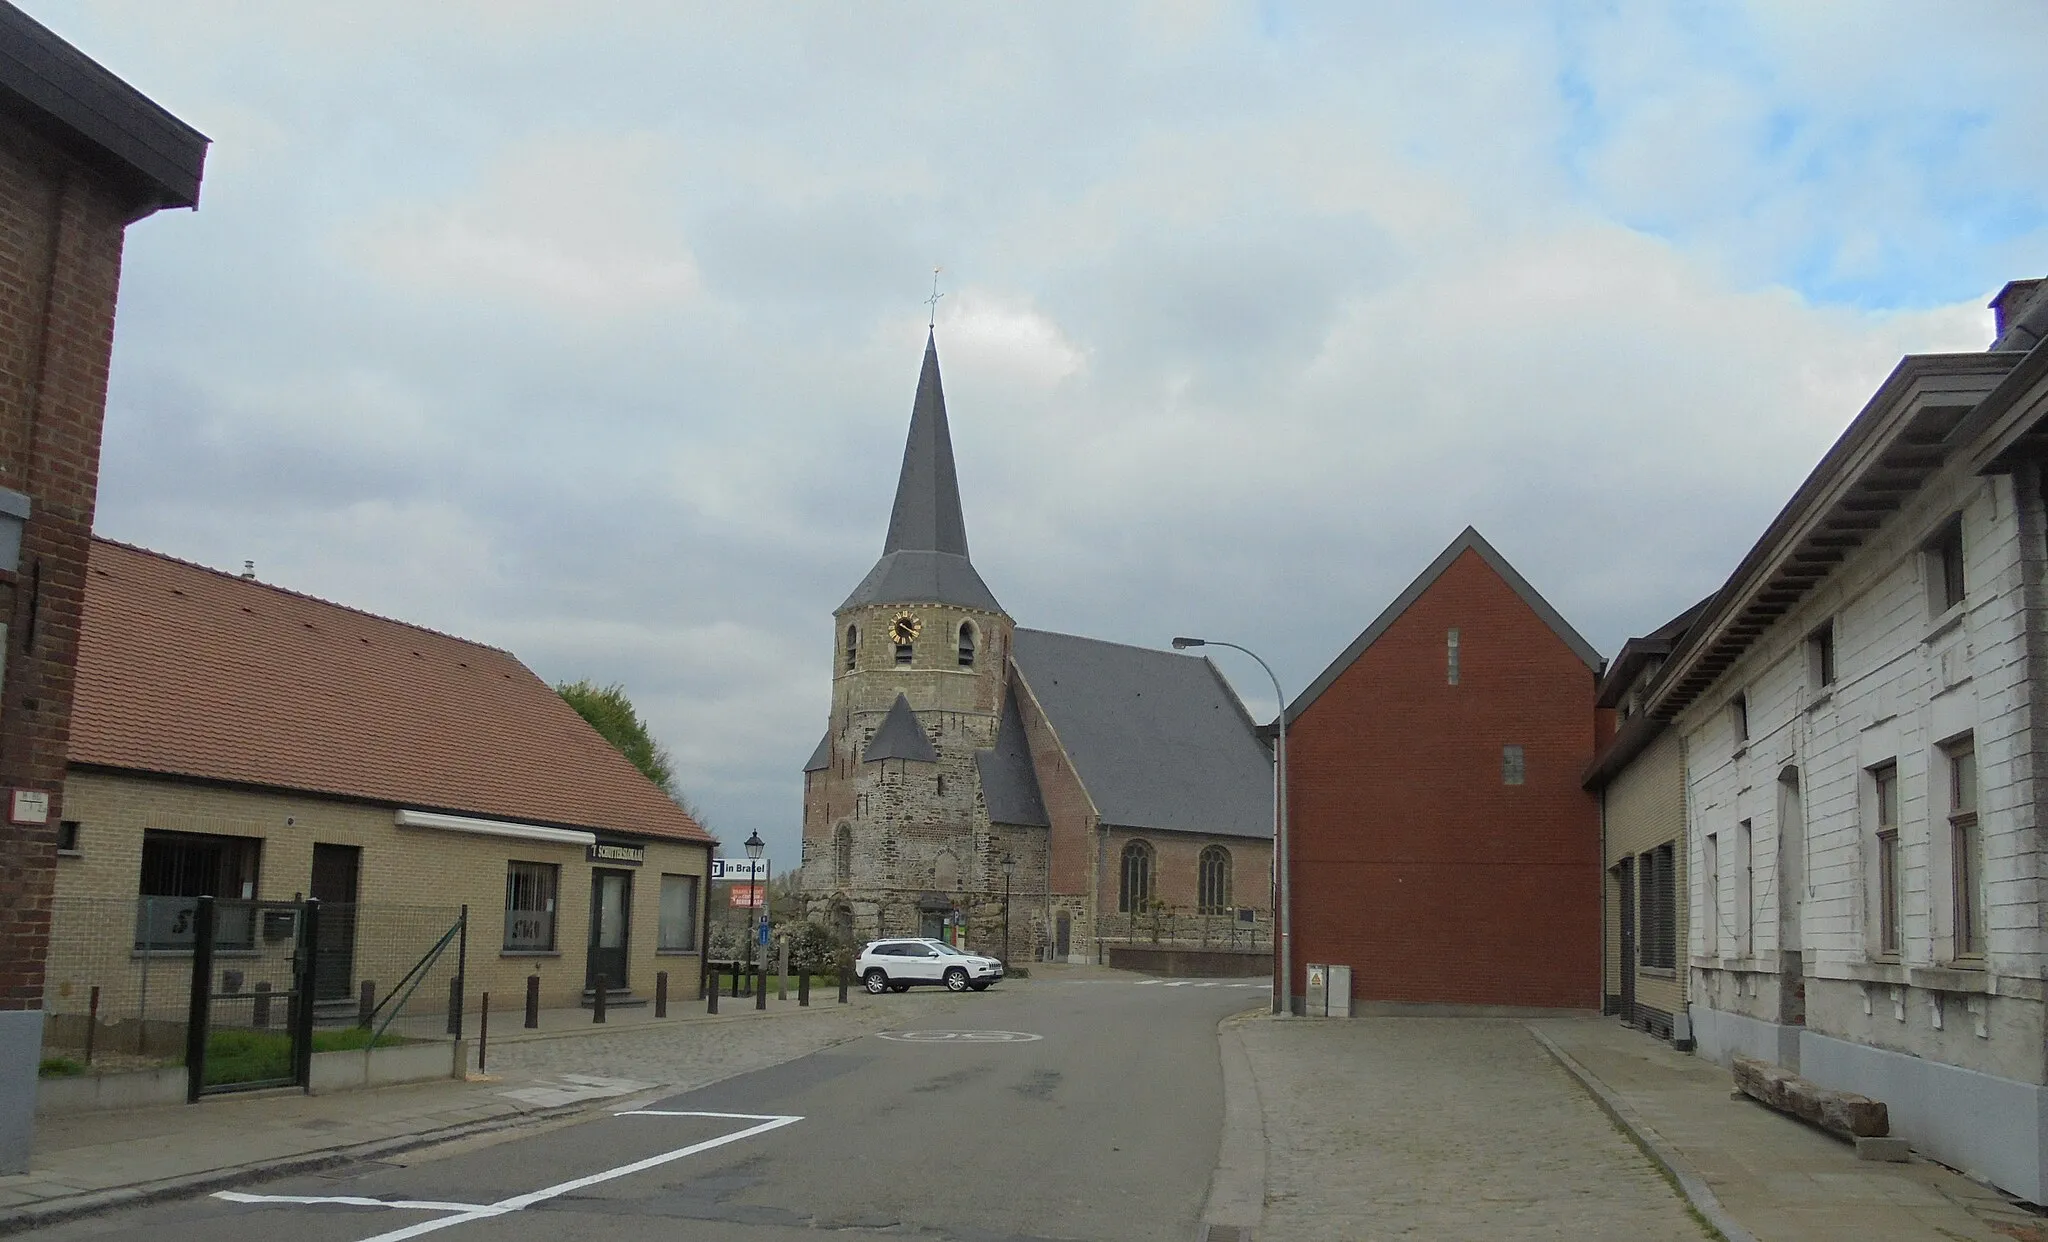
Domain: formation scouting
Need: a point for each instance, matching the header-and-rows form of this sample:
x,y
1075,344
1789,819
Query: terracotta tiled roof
x,y
191,672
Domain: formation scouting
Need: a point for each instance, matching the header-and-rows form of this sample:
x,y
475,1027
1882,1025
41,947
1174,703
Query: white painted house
x,y
1857,711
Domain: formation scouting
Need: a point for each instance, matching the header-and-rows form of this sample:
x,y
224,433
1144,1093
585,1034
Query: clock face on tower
x,y
905,629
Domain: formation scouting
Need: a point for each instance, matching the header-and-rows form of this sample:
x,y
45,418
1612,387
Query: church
x,y
1035,795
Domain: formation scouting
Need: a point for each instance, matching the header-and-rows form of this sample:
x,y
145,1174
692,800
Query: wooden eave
x,y
1907,432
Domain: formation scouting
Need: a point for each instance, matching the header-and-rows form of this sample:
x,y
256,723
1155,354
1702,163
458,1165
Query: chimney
x,y
249,571
2011,302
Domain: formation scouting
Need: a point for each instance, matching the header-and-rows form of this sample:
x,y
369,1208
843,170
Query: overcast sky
x,y
591,331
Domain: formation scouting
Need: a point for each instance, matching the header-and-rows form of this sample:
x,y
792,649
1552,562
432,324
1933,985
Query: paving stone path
x,y
1448,1128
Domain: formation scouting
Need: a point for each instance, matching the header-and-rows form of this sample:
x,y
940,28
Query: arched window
x,y
1214,880
842,855
852,646
966,644
1136,889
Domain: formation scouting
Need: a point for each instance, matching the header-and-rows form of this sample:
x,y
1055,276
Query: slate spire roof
x,y
924,558
900,737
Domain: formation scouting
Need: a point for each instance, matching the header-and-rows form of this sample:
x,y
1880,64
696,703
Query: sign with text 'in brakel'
x,y
739,869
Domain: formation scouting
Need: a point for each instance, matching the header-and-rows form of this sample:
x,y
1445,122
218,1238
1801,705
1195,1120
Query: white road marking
x,y
958,1037
463,1213
1196,983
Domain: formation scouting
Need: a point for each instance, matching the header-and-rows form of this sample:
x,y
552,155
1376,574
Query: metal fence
x,y
1182,929
117,989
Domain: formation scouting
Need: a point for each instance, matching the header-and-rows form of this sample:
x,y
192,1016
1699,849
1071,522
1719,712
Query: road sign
x,y
748,897
764,933
739,869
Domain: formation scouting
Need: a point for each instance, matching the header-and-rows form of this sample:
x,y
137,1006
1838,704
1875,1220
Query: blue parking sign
x,y
764,933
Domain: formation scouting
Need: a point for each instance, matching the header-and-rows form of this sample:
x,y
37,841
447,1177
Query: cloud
x,y
594,335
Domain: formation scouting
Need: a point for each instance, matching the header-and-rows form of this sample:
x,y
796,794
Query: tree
x,y
611,713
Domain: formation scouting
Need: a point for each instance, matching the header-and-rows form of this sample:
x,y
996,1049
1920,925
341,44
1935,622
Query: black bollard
x,y
533,1001
661,994
761,987
844,979
597,1002
803,990
711,995
366,1004
735,979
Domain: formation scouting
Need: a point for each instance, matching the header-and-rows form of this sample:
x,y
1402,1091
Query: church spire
x,y
927,515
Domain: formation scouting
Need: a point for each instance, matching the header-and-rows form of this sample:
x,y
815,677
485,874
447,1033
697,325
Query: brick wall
x,y
60,252
1645,807
1412,861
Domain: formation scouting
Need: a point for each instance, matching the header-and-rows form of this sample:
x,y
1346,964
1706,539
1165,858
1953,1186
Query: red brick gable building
x,y
1441,845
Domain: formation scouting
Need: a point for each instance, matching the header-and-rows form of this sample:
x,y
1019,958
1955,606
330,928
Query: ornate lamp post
x,y
1284,981
755,847
1009,870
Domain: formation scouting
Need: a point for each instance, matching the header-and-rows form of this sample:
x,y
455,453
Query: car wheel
x,y
899,987
876,982
981,987
956,980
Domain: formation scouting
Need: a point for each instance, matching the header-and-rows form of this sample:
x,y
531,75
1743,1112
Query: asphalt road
x,y
1103,1126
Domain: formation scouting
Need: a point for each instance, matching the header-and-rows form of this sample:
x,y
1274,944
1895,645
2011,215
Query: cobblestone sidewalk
x,y
1451,1128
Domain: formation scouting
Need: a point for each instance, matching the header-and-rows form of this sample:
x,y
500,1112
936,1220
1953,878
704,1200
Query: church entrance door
x,y
932,924
1063,936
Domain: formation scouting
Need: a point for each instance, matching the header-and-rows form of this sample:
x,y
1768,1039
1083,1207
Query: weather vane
x,y
933,301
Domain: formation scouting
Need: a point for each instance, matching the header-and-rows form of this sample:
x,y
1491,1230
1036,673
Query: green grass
x,y
60,1067
259,1056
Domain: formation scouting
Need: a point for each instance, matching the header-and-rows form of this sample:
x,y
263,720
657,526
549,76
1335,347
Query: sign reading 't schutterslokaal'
x,y
618,852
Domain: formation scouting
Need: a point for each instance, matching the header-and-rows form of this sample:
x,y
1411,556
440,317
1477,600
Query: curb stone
x,y
1236,1204
1690,1184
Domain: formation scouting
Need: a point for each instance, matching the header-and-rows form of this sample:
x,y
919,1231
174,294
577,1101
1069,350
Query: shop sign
x,y
615,852
739,868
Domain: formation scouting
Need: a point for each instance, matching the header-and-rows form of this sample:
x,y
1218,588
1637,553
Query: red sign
x,y
749,897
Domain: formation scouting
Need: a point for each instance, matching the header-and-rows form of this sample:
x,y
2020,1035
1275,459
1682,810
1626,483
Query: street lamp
x,y
1283,989
755,847
1009,870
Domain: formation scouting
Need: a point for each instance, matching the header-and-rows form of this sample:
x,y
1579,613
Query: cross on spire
x,y
933,302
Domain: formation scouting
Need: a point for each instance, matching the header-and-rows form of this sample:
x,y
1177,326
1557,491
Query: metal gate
x,y
251,1021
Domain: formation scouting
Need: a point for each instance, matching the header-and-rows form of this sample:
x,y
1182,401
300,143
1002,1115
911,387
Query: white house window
x,y
678,912
1738,717
1967,850
1885,791
1820,655
1945,579
180,867
1710,891
530,889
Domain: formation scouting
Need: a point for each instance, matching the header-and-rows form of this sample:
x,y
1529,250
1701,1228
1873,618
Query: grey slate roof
x,y
1468,540
1009,784
924,559
900,737
821,758
1159,739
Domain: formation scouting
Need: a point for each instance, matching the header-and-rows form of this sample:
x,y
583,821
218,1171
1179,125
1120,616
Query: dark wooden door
x,y
1626,874
611,914
1063,936
336,872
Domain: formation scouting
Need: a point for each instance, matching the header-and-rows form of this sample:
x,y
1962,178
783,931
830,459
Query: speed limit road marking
x,y
958,1037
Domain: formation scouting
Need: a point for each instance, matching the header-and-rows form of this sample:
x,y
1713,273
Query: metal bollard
x,y
366,1004
782,972
259,1016
803,990
761,986
533,1001
483,1033
711,995
843,981
661,994
92,1023
597,1001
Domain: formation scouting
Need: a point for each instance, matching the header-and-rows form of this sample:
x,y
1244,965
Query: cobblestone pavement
x,y
1442,1128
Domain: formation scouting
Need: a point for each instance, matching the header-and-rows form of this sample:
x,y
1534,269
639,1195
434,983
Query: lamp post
x,y
1284,986
755,847
1009,870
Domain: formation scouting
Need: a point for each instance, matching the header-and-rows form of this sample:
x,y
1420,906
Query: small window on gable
x,y
966,644
902,653
1738,717
852,646
1820,655
1512,765
1451,657
1945,585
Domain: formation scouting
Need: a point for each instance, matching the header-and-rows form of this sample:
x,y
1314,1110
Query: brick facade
x,y
1413,862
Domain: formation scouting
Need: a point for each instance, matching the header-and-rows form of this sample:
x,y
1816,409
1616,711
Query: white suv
x,y
898,965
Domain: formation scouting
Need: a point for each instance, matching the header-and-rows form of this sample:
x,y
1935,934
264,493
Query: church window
x,y
842,855
1451,656
966,644
1135,891
852,646
942,786
1215,880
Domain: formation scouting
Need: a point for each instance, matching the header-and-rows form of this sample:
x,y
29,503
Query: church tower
x,y
896,836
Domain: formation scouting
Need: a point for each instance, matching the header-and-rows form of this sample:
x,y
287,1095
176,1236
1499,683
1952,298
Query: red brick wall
x,y
60,263
1413,862
1067,804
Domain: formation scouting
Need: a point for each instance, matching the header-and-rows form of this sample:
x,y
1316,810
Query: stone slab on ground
x,y
1842,1113
1446,1128
1781,1180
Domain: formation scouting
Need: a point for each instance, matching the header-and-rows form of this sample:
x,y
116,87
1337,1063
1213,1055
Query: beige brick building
x,y
237,740
1127,787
